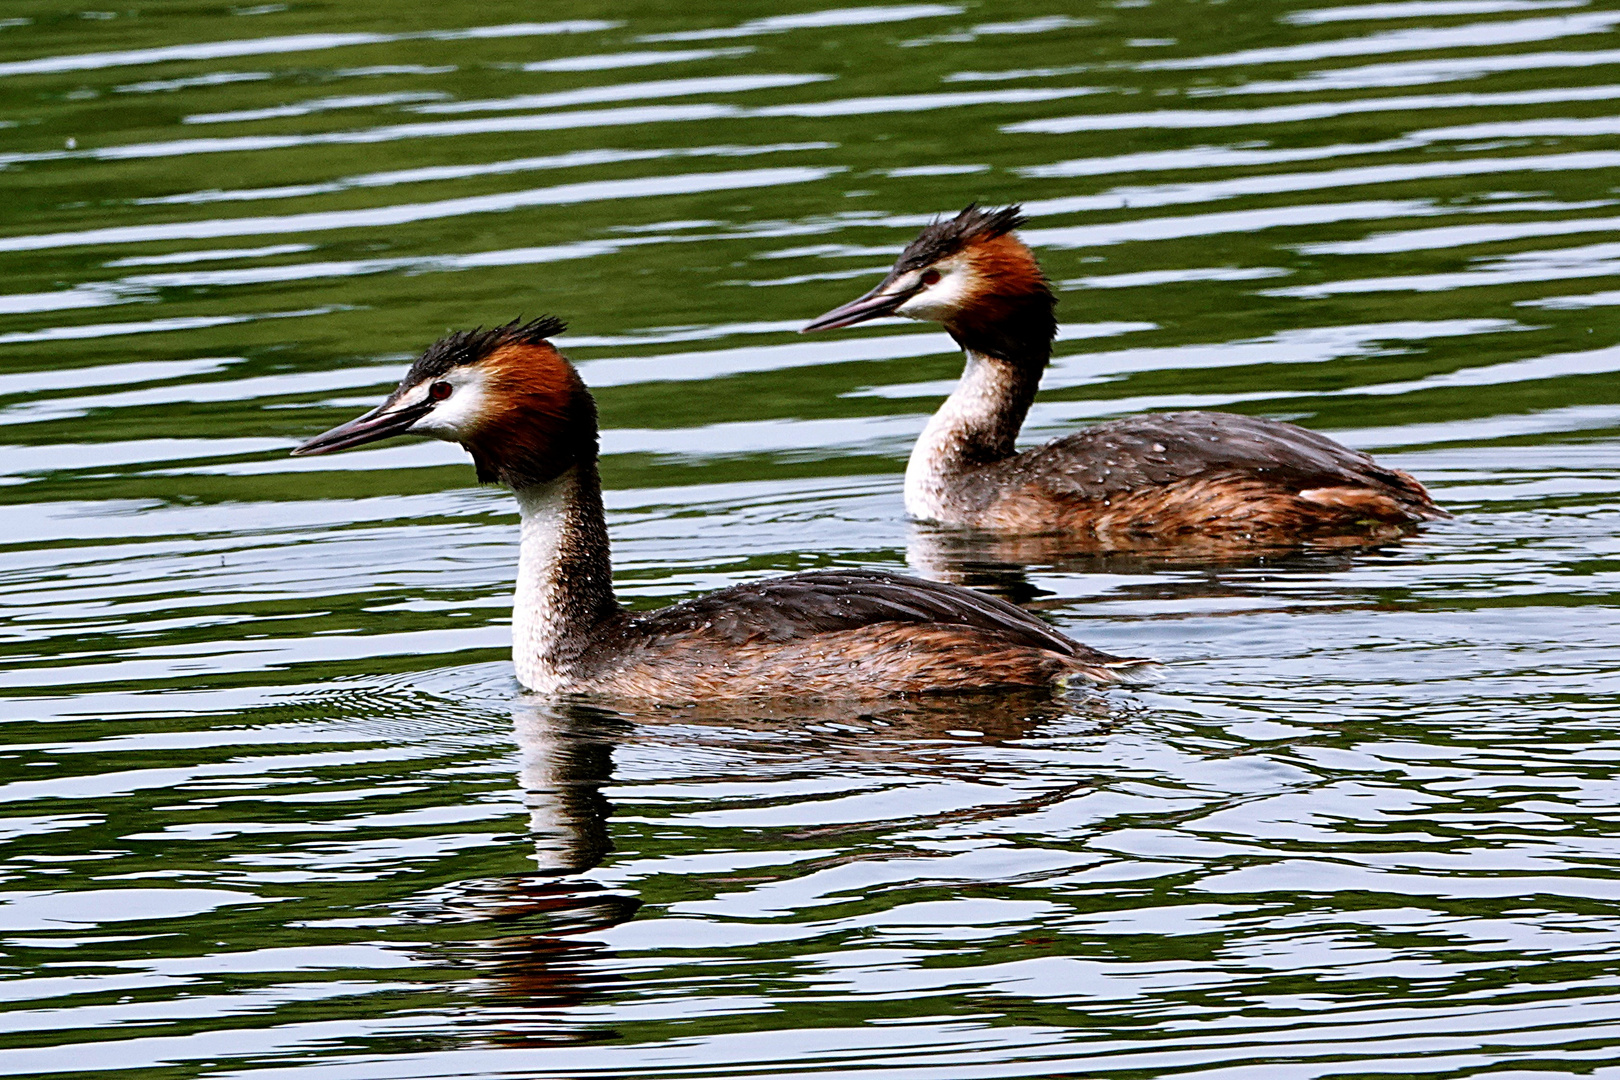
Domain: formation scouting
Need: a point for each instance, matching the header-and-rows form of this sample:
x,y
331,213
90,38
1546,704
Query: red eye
x,y
439,391
930,277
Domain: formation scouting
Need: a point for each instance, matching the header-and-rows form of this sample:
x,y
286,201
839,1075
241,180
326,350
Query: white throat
x,y
540,608
984,401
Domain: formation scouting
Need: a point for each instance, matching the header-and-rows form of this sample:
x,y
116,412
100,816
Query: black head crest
x,y
942,239
471,346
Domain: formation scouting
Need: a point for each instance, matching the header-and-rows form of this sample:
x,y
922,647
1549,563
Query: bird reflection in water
x,y
532,941
938,736
1000,564
534,958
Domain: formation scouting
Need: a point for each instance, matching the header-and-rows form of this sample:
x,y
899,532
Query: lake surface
x,y
273,804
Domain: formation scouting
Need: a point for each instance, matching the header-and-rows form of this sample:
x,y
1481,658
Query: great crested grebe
x,y
1154,478
519,407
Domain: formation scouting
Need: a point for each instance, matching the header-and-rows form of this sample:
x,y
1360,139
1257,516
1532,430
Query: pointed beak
x,y
382,422
880,301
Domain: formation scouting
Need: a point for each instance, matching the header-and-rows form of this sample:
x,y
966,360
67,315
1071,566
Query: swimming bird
x,y
1154,478
523,413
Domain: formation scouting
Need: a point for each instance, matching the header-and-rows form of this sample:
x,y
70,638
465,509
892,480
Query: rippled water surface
x,y
272,800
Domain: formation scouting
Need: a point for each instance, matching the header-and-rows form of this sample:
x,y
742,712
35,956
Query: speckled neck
x,y
977,425
565,577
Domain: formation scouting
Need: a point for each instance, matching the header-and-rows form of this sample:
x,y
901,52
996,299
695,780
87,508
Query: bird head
x,y
971,274
506,394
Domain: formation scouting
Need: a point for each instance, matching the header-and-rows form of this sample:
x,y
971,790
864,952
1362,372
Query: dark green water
x,y
272,803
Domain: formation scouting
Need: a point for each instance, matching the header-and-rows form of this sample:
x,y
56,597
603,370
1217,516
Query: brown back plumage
x,y
853,633
1194,472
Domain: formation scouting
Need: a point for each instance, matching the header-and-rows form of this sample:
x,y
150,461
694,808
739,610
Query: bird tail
x,y
1099,667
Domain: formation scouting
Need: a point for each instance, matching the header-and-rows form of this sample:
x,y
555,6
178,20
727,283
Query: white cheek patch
x,y
456,414
943,298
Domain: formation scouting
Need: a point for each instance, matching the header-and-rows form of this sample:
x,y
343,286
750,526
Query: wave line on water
x,y
1323,180
1472,36
1595,260
1294,114
1420,9
1448,236
151,326
1225,221
711,84
314,105
217,50
320,221
1415,73
438,173
831,17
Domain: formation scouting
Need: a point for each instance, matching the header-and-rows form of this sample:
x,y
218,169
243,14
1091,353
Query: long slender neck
x,y
565,577
977,425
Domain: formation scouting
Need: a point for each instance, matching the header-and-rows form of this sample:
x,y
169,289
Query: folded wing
x,y
788,609
1125,456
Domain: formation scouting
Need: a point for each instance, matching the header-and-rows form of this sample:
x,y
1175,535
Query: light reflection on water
x,y
277,805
